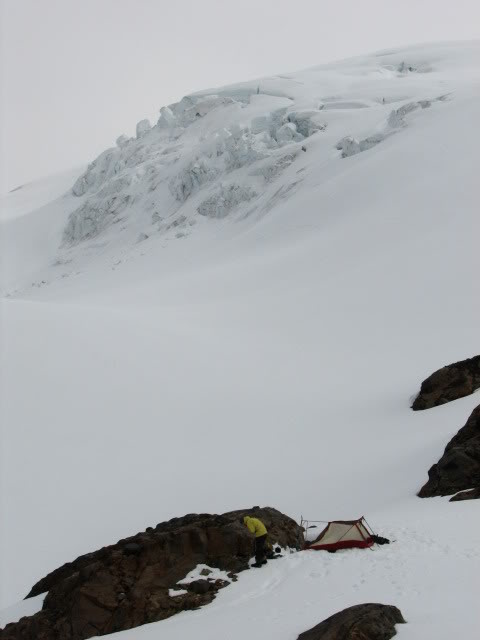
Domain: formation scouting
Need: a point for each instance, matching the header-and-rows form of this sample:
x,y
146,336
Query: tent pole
x,y
369,526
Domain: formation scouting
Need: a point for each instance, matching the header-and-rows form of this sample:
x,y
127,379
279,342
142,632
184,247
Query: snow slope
x,y
220,318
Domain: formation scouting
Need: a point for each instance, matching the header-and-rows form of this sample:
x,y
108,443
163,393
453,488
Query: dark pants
x,y
260,549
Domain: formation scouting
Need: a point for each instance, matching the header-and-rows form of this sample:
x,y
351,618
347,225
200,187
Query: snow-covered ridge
x,y
224,147
234,154
165,165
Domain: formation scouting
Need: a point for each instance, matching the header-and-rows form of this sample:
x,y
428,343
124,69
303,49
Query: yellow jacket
x,y
255,526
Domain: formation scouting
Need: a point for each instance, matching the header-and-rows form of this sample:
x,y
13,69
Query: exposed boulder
x,y
360,622
449,383
135,581
459,467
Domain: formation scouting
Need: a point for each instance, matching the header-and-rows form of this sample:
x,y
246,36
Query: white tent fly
x,y
341,534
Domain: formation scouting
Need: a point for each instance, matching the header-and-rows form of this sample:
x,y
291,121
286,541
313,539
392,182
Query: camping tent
x,y
343,534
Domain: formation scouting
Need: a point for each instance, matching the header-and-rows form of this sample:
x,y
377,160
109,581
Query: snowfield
x,y
237,307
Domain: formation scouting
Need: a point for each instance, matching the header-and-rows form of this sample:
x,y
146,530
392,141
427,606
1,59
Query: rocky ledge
x,y
459,467
135,581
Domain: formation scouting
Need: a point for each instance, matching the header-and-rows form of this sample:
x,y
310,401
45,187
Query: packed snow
x,y
204,571
236,307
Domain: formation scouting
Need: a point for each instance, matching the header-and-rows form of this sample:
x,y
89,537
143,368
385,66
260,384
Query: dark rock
x,y
473,494
449,383
360,622
127,584
459,467
132,548
201,586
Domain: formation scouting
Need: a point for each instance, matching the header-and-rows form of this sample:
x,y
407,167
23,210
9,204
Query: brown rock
x,y
459,467
201,586
127,584
449,383
473,494
360,622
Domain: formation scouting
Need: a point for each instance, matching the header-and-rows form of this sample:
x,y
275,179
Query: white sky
x,y
75,74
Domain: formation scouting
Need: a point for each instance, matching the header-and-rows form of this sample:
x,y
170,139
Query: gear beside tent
x,y
342,534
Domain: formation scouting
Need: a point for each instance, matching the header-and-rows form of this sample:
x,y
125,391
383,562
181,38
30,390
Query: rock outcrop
x,y
135,581
449,383
459,467
360,622
472,494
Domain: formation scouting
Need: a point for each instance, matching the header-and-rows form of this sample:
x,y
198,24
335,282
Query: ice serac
x,y
200,141
361,622
224,199
143,127
135,581
459,467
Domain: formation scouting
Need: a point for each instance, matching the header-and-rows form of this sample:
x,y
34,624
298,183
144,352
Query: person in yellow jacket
x,y
259,530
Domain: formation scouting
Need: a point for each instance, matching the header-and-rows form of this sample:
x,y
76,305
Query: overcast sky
x,y
77,73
